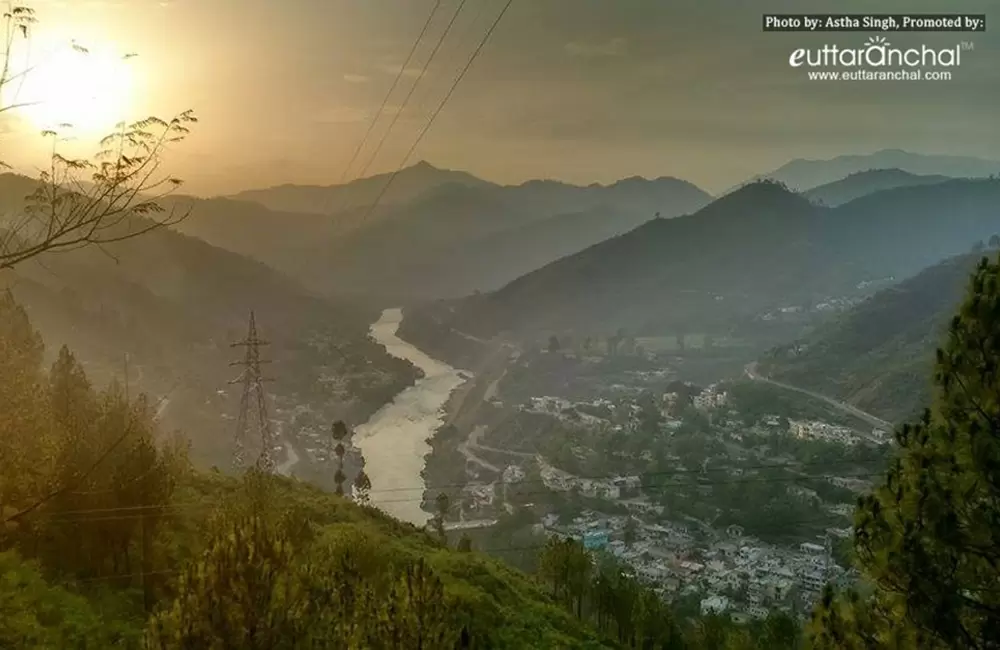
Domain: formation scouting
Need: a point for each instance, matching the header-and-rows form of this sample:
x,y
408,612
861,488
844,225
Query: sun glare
x,y
89,89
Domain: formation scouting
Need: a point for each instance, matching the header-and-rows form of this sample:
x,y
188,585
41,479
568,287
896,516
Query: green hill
x,y
879,355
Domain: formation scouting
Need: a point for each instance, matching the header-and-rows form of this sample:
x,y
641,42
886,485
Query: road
x,y
162,408
470,397
472,523
751,373
291,459
467,449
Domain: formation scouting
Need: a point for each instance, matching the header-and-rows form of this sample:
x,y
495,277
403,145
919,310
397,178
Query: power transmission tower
x,y
253,404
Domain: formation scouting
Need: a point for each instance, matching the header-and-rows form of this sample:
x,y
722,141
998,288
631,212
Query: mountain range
x,y
867,182
756,249
407,185
803,174
451,239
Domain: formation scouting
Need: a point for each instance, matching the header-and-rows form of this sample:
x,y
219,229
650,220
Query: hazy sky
x,y
581,90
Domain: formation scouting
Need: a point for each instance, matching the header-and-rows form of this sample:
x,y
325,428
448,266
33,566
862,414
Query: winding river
x,y
394,440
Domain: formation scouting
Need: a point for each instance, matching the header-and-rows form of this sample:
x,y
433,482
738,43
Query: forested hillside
x,y
164,308
879,355
756,250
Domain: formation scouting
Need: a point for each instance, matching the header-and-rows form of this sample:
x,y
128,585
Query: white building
x,y
513,474
711,398
714,605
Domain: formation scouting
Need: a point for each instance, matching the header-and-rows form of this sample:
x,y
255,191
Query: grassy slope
x,y
518,611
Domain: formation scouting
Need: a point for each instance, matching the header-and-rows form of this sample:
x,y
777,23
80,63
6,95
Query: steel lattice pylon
x,y
253,403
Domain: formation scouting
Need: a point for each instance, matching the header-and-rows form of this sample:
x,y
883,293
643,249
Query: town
x,y
707,495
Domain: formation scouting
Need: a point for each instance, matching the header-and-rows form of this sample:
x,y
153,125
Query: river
x,y
394,440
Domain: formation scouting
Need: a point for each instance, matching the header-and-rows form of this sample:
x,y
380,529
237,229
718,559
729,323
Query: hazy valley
x,y
267,383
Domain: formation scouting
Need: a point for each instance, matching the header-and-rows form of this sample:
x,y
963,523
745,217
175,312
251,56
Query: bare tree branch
x,y
109,198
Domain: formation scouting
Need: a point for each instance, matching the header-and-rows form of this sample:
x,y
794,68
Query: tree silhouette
x,y
362,487
339,434
442,504
630,533
113,196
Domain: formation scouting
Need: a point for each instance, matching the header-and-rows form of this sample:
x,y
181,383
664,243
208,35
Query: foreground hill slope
x,y
756,249
879,355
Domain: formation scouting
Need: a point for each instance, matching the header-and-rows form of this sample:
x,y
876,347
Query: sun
x,y
89,89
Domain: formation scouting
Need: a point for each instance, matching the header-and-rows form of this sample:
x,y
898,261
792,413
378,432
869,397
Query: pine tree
x,y
25,440
417,616
928,540
442,504
630,533
362,488
339,434
240,594
70,391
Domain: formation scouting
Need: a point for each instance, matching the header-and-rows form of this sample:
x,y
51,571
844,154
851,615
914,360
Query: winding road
x,y
291,459
751,373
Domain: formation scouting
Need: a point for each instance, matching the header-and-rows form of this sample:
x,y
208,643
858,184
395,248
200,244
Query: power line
x,y
385,100
437,111
253,402
464,42
413,88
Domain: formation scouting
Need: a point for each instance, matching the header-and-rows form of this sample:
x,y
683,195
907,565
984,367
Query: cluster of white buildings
x,y
710,398
817,430
614,487
739,575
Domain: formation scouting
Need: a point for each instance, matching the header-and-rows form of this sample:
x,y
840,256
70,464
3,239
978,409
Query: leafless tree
x,y
113,196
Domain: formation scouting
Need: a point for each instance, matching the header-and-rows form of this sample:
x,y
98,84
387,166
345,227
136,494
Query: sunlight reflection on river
x,y
394,440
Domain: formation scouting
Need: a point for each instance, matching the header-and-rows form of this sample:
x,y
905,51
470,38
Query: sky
x,y
577,90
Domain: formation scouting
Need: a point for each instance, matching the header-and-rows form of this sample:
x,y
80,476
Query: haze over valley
x,y
466,324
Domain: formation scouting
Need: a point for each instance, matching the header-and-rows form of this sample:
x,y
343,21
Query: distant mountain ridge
x,y
757,249
879,355
867,182
452,239
803,174
407,185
